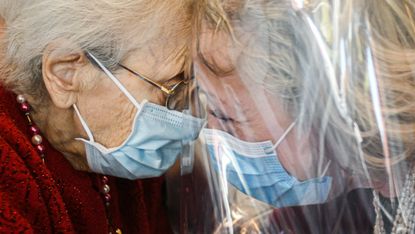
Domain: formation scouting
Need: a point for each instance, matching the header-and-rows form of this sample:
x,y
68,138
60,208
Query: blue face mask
x,y
254,169
157,137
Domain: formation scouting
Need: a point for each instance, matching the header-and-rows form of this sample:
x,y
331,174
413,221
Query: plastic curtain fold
x,y
311,120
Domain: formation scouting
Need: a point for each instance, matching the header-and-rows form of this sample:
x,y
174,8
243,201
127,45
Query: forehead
x,y
159,61
225,61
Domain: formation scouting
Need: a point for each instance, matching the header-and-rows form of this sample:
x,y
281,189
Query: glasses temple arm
x,y
155,84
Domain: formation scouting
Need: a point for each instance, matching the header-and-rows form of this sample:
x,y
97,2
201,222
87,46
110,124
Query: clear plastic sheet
x,y
311,113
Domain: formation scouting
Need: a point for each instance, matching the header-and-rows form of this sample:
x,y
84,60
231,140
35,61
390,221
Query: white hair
x,y
105,27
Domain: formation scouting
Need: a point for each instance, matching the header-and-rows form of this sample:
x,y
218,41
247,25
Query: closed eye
x,y
220,115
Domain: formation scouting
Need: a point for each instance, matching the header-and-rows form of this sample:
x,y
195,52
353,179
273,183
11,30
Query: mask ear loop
x,y
203,102
84,125
115,80
282,138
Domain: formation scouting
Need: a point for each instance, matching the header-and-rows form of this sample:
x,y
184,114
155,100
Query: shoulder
x,y
21,202
26,186
11,219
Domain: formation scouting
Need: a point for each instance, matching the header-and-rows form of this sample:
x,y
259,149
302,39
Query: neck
x,y
59,128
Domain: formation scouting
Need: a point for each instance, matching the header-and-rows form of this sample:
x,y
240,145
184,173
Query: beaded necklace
x,y
404,221
37,142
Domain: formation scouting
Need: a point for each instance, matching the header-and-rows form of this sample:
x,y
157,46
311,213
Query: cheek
x,y
116,120
117,125
256,130
109,115
120,122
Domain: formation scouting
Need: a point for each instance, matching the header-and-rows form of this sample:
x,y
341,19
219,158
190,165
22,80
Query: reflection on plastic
x,y
343,70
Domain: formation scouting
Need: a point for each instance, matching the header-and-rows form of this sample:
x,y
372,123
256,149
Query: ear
x,y
62,70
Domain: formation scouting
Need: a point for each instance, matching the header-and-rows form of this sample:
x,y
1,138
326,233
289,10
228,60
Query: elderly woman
x,y
91,90
303,110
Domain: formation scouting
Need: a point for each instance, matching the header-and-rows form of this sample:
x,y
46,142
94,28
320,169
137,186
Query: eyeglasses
x,y
177,95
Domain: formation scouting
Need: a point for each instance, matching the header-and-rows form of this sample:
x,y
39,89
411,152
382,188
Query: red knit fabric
x,y
55,198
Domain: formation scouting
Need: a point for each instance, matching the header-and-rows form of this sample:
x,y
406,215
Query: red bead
x,y
104,180
41,149
34,130
25,107
107,197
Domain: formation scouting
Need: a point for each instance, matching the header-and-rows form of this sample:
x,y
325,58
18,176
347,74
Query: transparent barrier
x,y
311,119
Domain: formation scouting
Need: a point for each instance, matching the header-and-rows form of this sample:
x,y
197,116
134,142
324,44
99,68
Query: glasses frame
x,y
168,91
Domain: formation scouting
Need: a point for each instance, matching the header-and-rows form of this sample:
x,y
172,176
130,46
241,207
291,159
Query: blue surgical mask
x,y
254,169
157,137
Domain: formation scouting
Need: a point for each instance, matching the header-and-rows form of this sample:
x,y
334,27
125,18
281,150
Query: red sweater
x,y
55,198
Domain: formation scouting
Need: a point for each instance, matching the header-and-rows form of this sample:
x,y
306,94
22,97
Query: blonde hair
x,y
388,34
286,54
108,28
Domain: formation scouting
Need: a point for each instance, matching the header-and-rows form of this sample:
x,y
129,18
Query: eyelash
x,y
221,117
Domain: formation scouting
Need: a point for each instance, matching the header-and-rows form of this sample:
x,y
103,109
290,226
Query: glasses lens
x,y
187,98
180,98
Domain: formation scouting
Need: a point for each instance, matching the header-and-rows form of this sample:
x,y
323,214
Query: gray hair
x,y
104,27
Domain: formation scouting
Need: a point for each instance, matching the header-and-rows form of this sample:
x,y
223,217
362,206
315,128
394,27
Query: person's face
x,y
237,103
242,108
109,111
241,105
105,108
